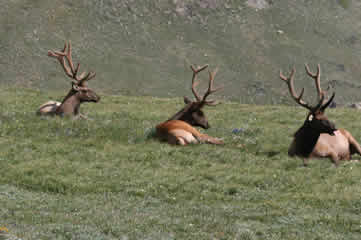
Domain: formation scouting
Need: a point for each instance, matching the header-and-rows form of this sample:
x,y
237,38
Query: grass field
x,y
107,178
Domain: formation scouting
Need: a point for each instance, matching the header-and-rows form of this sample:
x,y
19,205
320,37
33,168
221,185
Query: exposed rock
x,y
258,4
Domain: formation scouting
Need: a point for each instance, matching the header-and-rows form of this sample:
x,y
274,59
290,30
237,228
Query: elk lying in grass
x,y
79,91
318,136
179,128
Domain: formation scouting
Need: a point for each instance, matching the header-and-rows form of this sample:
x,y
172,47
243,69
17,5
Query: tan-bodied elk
x,y
179,128
318,136
79,92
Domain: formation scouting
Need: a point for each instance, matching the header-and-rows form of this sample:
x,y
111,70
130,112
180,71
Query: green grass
x,y
107,178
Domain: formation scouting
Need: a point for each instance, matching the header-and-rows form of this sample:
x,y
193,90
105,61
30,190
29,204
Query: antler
x,y
320,92
316,77
78,81
298,99
194,83
210,89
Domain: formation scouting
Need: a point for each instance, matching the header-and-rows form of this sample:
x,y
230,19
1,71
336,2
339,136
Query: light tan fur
x,y
337,147
79,91
318,137
48,108
182,133
179,128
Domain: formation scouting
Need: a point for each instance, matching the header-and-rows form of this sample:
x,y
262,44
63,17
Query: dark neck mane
x,y
69,105
180,115
70,94
306,139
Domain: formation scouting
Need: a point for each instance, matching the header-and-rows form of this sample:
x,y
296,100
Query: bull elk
x,y
79,91
179,128
318,136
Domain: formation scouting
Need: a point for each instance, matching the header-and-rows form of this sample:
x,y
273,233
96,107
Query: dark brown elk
x,y
318,136
179,128
79,92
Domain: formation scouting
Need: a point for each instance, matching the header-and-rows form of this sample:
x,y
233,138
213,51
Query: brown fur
x,y
78,93
179,128
70,105
180,132
318,137
338,147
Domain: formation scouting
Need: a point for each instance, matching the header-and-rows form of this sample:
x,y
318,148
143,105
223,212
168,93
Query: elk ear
x,y
187,100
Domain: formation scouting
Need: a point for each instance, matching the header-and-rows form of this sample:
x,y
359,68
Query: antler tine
x,y
210,89
59,55
194,83
316,77
83,78
65,55
69,59
289,81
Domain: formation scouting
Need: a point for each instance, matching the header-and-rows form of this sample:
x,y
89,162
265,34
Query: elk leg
x,y
174,140
181,137
82,116
354,145
181,141
305,162
204,138
335,158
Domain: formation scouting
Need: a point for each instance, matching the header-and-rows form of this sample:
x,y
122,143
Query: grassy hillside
x,y
145,47
107,178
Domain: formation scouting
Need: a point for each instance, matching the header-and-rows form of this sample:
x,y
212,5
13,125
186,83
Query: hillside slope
x,y
145,47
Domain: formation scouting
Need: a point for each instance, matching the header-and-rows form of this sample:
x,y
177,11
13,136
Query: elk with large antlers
x,y
318,136
79,91
179,128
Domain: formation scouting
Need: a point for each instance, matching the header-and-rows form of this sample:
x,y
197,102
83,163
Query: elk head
x,y
316,120
79,92
192,113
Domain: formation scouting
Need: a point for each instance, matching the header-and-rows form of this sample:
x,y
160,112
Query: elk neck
x,y
182,114
70,104
306,138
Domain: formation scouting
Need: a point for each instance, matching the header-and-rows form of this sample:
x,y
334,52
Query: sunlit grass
x,y
107,178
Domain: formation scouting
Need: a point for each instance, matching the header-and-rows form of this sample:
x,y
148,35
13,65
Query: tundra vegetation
x,y
110,179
